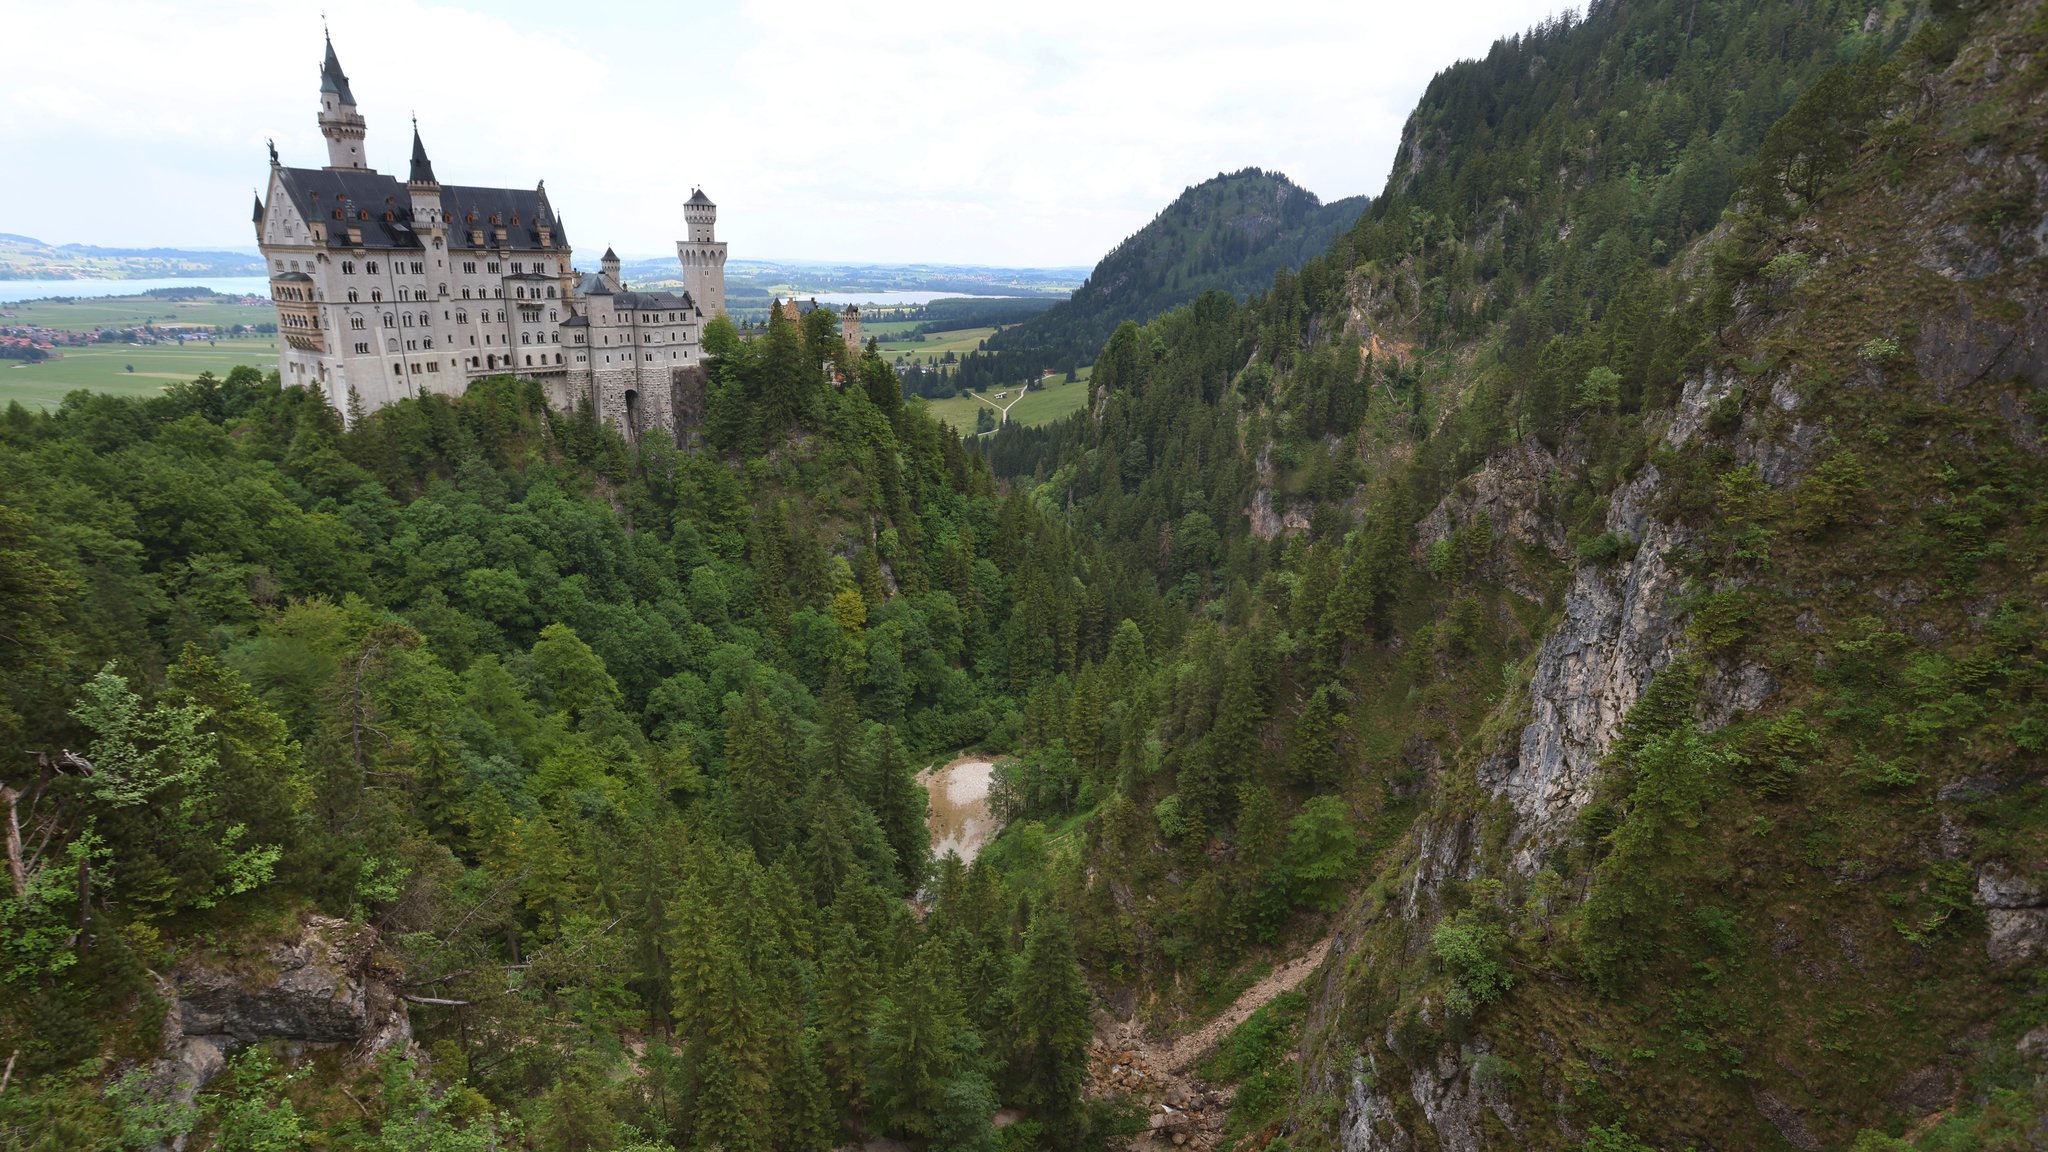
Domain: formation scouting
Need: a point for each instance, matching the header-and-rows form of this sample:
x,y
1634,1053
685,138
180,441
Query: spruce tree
x,y
1049,1029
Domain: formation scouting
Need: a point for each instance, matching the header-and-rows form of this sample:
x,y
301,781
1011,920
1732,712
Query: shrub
x,y
1473,950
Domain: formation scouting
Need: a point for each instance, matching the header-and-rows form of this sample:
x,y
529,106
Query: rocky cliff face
x,y
316,989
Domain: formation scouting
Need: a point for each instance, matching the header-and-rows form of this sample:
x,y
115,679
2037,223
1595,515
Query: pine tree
x,y
913,1045
1049,1028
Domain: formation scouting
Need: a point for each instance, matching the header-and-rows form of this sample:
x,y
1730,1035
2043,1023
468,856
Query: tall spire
x,y
339,121
332,78
422,168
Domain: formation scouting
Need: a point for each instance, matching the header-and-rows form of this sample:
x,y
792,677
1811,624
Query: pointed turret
x,y
608,266
258,217
332,78
339,120
422,168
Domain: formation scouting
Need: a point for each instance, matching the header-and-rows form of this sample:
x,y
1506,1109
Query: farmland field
x,y
104,368
935,345
133,312
1055,401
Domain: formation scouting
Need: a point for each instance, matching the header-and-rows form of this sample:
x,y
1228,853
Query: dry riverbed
x,y
957,795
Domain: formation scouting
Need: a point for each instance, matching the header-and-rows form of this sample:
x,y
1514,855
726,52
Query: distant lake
x,y
896,296
15,291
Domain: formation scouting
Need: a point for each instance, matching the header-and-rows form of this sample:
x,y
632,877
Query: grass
x,y
935,345
104,368
1056,401
132,312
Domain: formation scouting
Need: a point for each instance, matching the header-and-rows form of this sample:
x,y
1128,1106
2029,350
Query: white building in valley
x,y
387,289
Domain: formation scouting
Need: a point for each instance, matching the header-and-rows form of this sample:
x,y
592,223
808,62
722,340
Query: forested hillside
x,y
1227,234
1592,609
562,790
1614,568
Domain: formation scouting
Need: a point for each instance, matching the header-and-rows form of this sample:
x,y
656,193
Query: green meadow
x,y
1056,401
105,368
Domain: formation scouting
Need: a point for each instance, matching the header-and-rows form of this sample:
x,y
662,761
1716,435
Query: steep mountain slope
x,y
1228,234
1627,613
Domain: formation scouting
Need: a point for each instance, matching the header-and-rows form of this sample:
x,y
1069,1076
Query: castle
x,y
388,289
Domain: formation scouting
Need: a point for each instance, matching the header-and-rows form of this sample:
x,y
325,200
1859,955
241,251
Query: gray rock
x,y
2034,1045
1617,630
2018,936
1925,1090
307,991
1789,1121
2000,887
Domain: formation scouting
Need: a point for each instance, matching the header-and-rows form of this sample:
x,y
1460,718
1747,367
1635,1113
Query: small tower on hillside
x,y
339,120
849,328
427,216
703,255
609,266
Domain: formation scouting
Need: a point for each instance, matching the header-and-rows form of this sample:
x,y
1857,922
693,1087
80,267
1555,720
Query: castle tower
x,y
609,265
339,120
427,216
849,328
703,255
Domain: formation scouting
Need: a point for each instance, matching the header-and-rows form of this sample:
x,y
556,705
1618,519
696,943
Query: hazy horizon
x,y
905,135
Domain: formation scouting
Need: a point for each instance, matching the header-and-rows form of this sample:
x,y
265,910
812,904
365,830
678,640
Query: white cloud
x,y
1035,134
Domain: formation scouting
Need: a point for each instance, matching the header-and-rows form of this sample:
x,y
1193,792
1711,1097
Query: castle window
x,y
523,338
348,267
462,317
377,295
398,369
551,314
391,345
551,291
362,348
389,322
465,293
426,341
529,361
469,267
352,296
558,357
370,267
356,322
517,267
554,337
491,266
419,268
405,318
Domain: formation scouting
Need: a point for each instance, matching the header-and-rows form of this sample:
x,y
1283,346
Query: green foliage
x,y
1473,949
1616,1139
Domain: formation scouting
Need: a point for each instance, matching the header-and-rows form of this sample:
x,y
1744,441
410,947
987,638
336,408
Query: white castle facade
x,y
388,289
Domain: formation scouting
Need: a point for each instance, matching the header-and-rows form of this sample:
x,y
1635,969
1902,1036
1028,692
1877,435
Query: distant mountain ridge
x,y
27,258
1230,233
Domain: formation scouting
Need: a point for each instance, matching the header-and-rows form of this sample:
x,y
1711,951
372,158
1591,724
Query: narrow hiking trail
x,y
1183,1111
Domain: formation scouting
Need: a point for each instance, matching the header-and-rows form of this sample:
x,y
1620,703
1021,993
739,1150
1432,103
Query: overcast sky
x,y
1039,133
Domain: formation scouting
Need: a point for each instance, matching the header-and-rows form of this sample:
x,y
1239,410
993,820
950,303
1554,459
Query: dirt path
x,y
1184,1111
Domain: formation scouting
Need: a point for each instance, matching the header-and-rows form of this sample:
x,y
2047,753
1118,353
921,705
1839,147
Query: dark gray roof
x,y
294,277
592,284
422,168
355,193
610,257
258,217
576,322
519,211
332,78
650,301
698,197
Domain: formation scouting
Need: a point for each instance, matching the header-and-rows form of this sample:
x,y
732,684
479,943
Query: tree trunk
x,y
16,870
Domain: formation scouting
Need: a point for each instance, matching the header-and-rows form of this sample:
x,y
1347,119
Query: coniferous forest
x,y
1593,612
